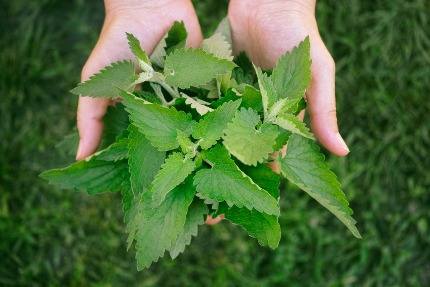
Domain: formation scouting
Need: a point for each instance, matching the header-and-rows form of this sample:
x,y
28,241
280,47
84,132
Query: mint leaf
x,y
294,125
199,105
246,142
258,225
267,89
304,166
292,75
226,182
91,175
174,171
218,46
251,98
144,161
175,38
211,127
116,151
157,123
224,29
141,57
195,217
158,227
104,84
186,68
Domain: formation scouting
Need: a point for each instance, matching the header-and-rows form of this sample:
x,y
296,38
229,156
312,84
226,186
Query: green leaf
x,y
174,171
258,225
225,30
195,217
292,75
104,84
116,151
157,123
218,46
158,227
267,89
175,38
199,105
246,142
226,182
139,53
304,166
91,175
281,139
115,122
251,98
144,161
294,125
211,127
193,67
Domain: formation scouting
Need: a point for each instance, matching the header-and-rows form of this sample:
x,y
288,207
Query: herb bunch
x,y
195,139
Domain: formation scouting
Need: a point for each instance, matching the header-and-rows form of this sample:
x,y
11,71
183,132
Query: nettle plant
x,y
195,139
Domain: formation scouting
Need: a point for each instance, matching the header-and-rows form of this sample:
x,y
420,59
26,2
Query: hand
x,y
265,30
148,20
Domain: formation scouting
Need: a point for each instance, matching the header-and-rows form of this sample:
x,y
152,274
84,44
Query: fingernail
x,y
342,142
79,152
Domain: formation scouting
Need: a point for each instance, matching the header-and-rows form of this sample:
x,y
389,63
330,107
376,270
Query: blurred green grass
x,y
50,237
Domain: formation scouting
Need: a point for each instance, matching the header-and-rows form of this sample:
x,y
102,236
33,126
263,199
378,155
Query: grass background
x,y
50,237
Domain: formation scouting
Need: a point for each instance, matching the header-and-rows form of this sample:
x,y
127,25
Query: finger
x,y
90,124
322,103
213,221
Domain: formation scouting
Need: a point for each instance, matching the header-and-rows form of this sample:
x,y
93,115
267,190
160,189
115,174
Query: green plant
x,y
195,140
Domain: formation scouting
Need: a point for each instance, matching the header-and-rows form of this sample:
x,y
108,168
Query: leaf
x,y
144,161
304,166
281,139
157,123
294,125
258,225
141,57
175,38
174,171
218,46
104,84
251,98
91,175
226,182
225,30
211,127
158,227
246,142
186,68
115,122
292,75
116,151
197,104
267,89
195,217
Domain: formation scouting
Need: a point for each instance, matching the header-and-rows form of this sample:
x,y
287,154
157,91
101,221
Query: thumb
x,y
90,124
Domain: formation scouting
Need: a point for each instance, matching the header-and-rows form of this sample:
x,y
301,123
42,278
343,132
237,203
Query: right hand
x,y
149,21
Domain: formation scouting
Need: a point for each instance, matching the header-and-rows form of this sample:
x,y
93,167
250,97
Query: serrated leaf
x,y
281,139
91,175
195,217
104,84
144,161
258,225
157,123
197,104
175,170
251,98
175,38
246,142
224,29
294,125
186,68
115,122
158,227
140,55
218,46
267,90
211,127
226,182
304,166
116,151
292,75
